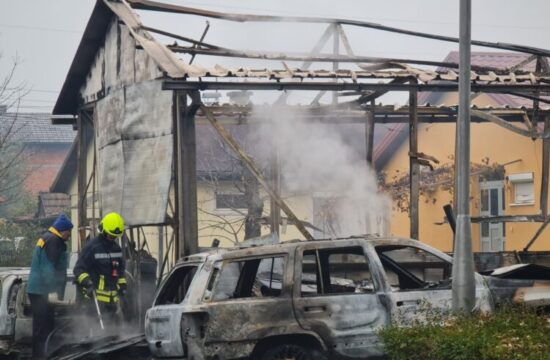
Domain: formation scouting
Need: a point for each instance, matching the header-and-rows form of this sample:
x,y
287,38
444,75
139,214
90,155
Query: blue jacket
x,y
49,265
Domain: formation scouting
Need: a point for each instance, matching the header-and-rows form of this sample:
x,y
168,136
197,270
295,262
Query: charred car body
x,y
304,299
15,309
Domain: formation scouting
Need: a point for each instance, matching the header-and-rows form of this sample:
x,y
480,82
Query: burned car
x,y
300,300
15,309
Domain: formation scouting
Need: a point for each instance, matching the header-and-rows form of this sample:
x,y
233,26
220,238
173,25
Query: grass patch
x,y
510,333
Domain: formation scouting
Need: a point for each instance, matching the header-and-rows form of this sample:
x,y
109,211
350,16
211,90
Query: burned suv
x,y
298,300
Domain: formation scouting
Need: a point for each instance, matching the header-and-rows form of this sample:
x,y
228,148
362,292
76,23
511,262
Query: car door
x,y
418,282
163,320
248,298
8,293
336,295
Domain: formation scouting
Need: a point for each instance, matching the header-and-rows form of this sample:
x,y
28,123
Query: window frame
x,y
166,283
215,274
229,193
325,264
522,179
409,274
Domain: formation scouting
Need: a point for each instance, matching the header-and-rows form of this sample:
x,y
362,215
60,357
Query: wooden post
x,y
538,69
81,177
186,177
545,169
414,168
275,210
336,52
369,133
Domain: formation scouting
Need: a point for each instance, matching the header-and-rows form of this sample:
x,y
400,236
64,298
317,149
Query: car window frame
x,y
426,250
217,271
300,250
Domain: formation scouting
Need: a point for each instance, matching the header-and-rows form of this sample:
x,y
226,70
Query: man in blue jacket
x,y
48,275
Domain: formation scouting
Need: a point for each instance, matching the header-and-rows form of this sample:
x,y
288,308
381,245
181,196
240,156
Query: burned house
x,y
136,101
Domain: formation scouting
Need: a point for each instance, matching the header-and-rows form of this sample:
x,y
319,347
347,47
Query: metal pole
x,y
463,264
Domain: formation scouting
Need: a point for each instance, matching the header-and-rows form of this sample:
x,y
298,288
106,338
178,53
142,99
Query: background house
x,y
515,192
42,149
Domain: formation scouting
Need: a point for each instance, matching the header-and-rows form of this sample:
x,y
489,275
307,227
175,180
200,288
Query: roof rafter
x,y
158,6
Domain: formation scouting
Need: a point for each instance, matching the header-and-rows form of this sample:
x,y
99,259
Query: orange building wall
x,y
487,140
42,163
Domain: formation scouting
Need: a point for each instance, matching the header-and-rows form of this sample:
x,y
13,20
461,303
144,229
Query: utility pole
x,y
463,264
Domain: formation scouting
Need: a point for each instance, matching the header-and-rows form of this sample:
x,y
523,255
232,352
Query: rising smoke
x,y
316,159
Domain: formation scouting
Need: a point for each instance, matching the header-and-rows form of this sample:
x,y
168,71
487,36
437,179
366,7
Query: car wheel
x,y
291,352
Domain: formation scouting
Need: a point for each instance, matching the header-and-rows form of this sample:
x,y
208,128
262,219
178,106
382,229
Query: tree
x,y
230,181
12,168
432,180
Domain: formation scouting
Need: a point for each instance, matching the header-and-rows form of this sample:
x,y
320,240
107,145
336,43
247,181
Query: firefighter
x,y
48,275
99,270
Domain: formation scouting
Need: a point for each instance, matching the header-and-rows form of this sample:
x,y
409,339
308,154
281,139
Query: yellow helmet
x,y
112,224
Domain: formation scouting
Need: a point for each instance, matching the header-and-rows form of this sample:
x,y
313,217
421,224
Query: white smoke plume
x,y
317,160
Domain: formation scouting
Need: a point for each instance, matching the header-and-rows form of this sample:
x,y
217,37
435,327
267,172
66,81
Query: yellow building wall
x,y
487,141
227,225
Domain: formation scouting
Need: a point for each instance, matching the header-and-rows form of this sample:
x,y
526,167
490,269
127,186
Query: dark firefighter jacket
x,y
101,261
49,265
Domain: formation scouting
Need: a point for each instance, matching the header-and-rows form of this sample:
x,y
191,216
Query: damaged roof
x,y
35,128
166,56
400,132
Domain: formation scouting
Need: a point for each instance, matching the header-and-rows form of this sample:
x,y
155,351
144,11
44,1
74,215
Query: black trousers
x,y
42,324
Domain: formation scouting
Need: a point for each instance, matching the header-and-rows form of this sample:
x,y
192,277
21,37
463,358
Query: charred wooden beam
x,y
501,122
180,37
545,168
247,161
157,6
414,167
172,84
214,50
369,134
81,177
509,218
186,179
535,119
536,236
306,64
274,210
201,41
530,97
522,63
336,54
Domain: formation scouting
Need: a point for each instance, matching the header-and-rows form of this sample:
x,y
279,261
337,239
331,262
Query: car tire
x,y
292,352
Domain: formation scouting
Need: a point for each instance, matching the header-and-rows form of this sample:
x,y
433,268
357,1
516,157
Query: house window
x,y
523,188
230,201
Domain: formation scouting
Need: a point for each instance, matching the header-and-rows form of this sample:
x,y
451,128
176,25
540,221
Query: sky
x,y
44,34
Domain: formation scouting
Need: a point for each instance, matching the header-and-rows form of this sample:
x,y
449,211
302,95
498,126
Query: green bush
x,y
22,255
511,333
